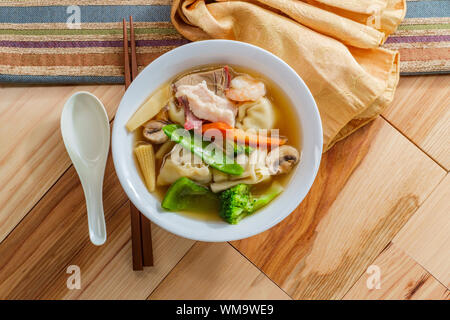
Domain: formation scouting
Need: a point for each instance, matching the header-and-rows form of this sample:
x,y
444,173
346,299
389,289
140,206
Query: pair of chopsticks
x,y
141,235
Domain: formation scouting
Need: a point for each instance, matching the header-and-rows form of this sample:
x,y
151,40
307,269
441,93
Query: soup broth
x,y
285,121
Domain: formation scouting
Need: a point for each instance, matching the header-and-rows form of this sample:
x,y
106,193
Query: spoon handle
x,y
96,217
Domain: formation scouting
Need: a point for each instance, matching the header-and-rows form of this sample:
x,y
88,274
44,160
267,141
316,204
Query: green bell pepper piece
x,y
185,194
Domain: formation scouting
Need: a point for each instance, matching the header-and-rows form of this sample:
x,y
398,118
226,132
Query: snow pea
x,y
185,138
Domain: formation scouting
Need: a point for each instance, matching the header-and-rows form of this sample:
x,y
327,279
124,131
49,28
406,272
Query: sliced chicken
x,y
206,105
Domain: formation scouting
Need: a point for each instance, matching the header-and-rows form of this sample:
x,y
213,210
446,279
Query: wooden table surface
x,y
381,198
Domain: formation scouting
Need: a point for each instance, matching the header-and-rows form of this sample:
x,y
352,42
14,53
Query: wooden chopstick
x,y
136,241
136,238
141,239
146,238
126,59
134,69
146,231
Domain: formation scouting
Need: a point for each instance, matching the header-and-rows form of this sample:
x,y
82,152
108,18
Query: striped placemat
x,y
423,38
36,45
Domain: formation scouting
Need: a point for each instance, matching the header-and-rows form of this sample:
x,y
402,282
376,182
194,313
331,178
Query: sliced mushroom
x,y
153,131
282,160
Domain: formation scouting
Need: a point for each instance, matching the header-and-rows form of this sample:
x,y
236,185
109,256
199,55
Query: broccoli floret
x,y
237,202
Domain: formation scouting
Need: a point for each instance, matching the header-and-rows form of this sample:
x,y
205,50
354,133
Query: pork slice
x,y
206,105
217,80
190,120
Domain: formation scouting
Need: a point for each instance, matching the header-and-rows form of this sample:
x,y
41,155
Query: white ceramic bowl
x,y
198,54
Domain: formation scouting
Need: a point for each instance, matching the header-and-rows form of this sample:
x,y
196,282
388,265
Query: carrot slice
x,y
222,126
242,137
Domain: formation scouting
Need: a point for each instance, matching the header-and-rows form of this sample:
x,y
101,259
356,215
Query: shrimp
x,y
245,88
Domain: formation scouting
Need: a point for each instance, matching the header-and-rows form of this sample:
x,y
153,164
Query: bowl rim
x,y
131,193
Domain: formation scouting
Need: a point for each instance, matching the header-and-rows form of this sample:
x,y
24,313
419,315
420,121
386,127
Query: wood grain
x,y
115,279
368,186
421,111
54,235
53,232
426,236
216,271
32,154
401,278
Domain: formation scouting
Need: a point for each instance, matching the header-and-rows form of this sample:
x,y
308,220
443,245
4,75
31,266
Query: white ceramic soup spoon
x,y
85,131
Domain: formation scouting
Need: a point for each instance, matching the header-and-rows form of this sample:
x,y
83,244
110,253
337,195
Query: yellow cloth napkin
x,y
332,44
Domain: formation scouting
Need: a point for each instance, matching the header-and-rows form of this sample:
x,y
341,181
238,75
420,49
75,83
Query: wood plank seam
x,y
260,270
415,144
46,192
424,200
126,203
418,285
369,264
393,220
207,269
112,119
87,242
419,110
364,271
435,189
56,180
423,267
64,268
390,242
420,282
37,202
100,271
168,273
375,257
